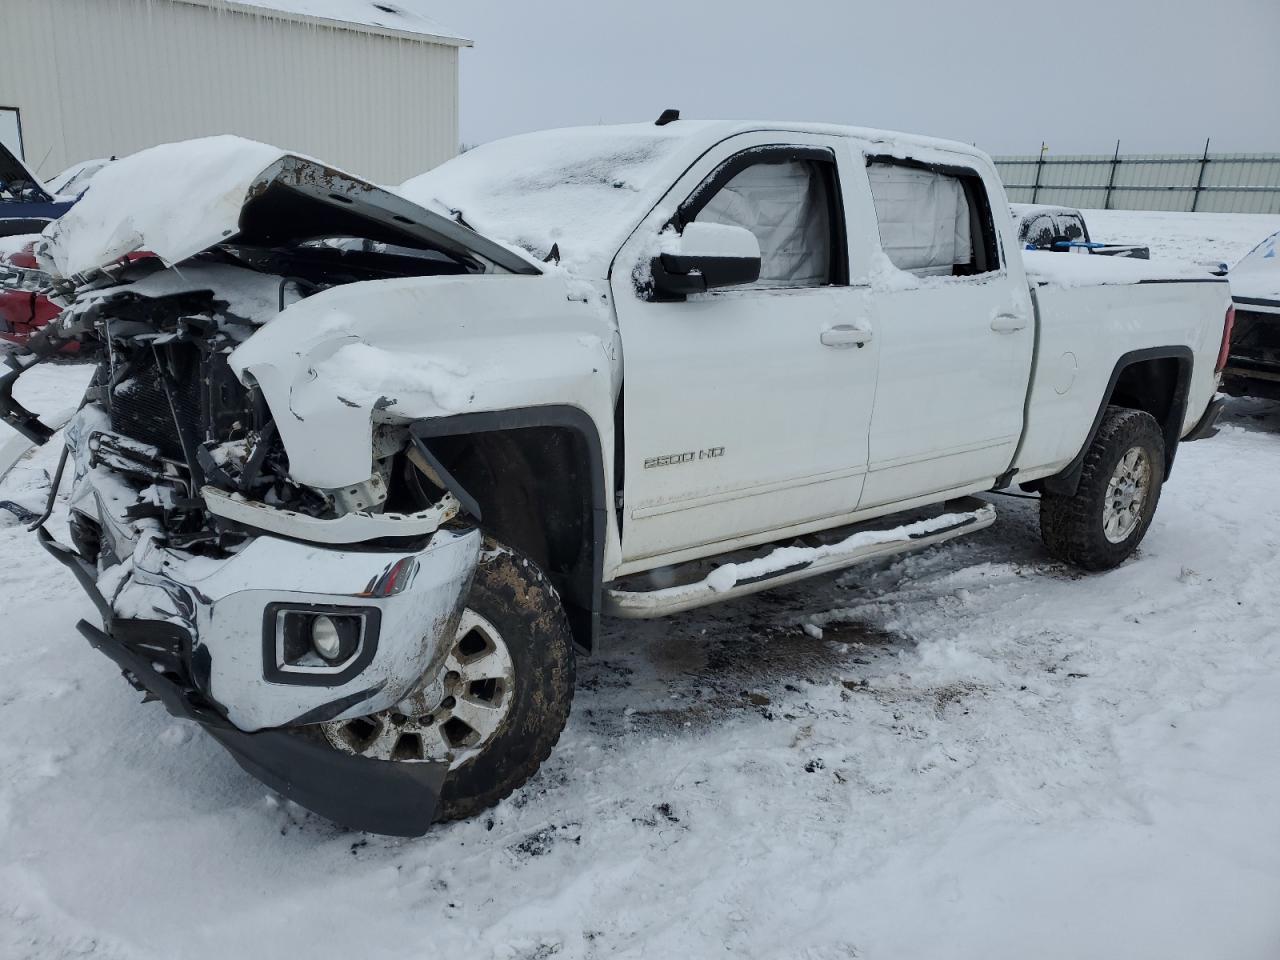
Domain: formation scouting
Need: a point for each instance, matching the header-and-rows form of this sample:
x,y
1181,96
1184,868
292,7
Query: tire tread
x,y
1070,526
557,705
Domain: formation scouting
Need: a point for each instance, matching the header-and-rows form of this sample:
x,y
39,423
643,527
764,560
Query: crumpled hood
x,y
179,199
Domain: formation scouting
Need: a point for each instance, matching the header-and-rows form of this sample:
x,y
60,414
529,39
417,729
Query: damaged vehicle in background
x,y
1253,366
26,205
24,305
1063,230
359,472
72,182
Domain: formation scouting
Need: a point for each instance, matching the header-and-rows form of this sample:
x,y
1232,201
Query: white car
x,y
74,180
354,506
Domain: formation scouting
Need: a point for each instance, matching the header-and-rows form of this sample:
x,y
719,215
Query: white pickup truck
x,y
361,469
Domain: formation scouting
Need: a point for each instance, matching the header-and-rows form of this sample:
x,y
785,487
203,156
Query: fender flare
x,y
555,415
1067,481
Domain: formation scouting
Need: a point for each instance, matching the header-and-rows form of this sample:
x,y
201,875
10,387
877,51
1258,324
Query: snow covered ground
x,y
1181,236
969,752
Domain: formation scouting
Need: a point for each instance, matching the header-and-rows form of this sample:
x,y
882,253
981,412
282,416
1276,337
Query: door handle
x,y
1008,323
844,335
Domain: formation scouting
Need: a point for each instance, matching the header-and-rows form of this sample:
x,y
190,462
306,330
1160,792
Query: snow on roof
x,y
584,189
399,18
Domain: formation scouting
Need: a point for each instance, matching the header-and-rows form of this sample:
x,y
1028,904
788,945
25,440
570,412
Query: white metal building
x,y
367,85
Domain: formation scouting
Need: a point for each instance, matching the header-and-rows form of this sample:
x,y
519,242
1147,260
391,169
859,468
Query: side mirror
x,y
705,256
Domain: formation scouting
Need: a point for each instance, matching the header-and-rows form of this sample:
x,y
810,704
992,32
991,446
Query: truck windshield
x,y
582,190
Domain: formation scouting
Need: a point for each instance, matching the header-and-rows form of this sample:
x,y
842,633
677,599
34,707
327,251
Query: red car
x,y
23,308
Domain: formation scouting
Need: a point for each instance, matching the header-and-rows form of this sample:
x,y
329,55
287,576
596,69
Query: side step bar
x,y
742,573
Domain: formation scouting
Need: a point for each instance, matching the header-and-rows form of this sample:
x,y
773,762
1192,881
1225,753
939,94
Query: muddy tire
x,y
512,594
496,710
1102,524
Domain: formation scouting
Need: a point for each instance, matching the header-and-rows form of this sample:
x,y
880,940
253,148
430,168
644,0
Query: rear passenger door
x,y
955,328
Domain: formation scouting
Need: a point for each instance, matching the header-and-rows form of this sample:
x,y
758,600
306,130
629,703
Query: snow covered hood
x,y
1082,270
179,199
1257,275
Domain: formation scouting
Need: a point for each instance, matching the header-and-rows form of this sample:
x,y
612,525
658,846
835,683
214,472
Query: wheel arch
x,y
1155,379
537,474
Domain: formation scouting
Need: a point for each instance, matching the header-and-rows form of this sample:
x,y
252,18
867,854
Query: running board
x,y
742,573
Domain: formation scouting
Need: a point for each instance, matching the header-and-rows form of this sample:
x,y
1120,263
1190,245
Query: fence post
x,y
1111,180
1035,190
1195,197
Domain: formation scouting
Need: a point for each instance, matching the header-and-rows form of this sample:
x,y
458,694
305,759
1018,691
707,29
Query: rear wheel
x,y
1101,525
497,708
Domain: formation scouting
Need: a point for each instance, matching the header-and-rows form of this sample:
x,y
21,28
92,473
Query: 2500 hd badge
x,y
710,453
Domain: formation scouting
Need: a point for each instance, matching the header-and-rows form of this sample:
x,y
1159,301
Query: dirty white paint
x,y
381,103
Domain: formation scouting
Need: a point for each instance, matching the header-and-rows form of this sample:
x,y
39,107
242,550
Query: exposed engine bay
x,y
201,446
180,419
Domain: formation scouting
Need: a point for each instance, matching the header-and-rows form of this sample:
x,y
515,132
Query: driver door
x,y
746,410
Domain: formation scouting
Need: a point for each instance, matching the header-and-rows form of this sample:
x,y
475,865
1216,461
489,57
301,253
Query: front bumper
x,y
232,611
232,608
203,634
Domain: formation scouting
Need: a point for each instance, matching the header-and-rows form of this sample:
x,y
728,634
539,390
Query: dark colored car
x,y
1062,229
26,206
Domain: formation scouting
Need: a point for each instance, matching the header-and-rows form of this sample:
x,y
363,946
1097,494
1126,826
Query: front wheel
x,y
501,700
1101,525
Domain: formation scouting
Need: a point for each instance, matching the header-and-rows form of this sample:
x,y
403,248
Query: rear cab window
x,y
934,220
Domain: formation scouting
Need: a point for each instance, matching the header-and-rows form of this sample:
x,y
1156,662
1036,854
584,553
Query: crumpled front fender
x,y
417,348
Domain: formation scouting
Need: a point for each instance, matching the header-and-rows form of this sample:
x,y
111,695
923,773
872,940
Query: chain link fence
x,y
1205,182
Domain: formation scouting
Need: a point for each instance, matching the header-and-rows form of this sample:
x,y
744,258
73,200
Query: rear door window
x,y
934,221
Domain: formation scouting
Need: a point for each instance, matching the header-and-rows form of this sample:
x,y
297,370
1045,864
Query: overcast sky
x,y
1160,75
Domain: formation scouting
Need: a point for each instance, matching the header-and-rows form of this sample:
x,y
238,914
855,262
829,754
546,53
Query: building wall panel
x,y
109,77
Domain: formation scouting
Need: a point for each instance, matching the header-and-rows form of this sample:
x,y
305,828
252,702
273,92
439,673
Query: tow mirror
x,y
705,256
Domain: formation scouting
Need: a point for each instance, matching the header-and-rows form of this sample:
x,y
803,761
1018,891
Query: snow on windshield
x,y
1257,276
582,189
1265,256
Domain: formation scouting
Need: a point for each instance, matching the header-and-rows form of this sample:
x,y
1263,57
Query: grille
x,y
140,408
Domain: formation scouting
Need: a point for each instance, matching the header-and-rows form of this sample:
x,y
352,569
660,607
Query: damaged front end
x,y
254,604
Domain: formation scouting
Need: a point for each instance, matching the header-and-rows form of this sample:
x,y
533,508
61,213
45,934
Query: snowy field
x,y
984,754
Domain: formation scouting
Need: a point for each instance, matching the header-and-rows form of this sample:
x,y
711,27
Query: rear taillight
x,y
1225,349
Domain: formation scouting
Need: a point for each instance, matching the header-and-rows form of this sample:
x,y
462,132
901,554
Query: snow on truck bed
x,y
984,755
1085,270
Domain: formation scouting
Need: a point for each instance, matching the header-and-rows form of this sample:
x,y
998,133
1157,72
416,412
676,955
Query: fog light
x,y
318,645
325,638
